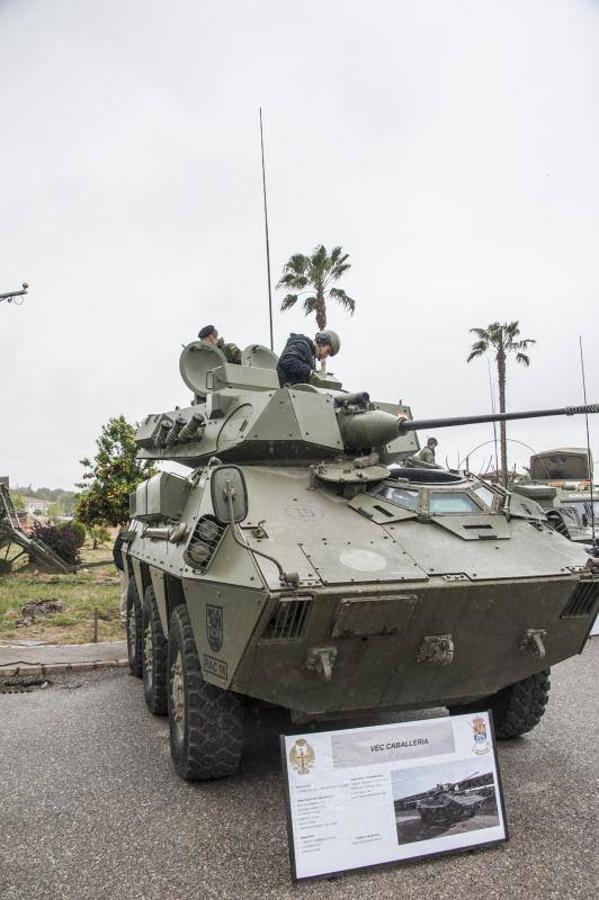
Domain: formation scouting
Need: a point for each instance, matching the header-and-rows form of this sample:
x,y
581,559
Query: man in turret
x,y
209,335
425,458
297,362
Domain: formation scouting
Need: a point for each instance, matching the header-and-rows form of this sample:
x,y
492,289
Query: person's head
x,y
432,443
327,343
209,334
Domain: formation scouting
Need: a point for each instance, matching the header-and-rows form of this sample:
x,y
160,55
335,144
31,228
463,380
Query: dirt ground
x,y
89,593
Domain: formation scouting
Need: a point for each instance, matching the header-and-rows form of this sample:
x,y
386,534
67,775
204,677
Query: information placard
x,y
369,796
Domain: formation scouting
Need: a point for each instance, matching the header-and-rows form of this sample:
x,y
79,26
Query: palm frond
x,y
477,349
310,305
292,280
482,333
344,299
318,256
288,301
338,270
523,359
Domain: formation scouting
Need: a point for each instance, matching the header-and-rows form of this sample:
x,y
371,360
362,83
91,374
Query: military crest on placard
x,y
479,732
214,626
302,756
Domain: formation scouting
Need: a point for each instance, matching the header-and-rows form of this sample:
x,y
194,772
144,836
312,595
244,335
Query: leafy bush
x,y
78,529
60,538
99,535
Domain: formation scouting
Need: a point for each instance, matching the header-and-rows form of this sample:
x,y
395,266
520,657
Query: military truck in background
x,y
300,564
560,482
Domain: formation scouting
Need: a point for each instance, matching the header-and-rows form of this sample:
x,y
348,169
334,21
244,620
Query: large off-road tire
x,y
134,629
205,722
154,650
517,708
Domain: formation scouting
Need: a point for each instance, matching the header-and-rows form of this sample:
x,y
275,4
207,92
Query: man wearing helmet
x,y
297,362
426,456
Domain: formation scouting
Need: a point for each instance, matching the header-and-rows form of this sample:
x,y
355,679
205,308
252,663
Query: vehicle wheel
x,y
206,729
155,648
134,628
517,708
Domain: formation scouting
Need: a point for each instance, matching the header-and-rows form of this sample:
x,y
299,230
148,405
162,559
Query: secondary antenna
x,y
592,473
266,234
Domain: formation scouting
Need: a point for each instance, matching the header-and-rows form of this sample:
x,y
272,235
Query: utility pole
x,y
12,295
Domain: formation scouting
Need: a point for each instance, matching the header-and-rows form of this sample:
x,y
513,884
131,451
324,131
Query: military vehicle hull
x,y
398,612
300,565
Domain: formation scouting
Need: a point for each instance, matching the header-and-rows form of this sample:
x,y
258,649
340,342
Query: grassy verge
x,y
82,593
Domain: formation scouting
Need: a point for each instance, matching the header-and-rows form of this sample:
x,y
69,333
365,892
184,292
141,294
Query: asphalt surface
x,y
91,808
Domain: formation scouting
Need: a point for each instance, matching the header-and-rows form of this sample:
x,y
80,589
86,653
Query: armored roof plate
x,y
345,562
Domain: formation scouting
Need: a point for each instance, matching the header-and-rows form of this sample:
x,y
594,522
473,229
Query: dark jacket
x,y
296,362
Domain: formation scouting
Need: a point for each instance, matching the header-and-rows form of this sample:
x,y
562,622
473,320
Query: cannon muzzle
x,y
406,425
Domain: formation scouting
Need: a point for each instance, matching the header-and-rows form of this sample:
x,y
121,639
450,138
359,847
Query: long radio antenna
x,y
586,418
266,234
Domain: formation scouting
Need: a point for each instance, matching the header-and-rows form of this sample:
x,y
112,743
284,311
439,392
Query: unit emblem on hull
x,y
214,626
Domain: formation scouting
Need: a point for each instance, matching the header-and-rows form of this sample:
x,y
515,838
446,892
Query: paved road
x,y
91,809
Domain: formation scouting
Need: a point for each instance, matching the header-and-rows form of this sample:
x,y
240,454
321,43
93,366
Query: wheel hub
x,y
178,695
148,653
132,627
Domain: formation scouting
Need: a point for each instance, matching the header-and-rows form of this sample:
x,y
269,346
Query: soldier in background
x,y
425,458
209,335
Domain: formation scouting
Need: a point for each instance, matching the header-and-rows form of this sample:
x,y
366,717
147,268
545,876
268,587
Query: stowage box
x,y
162,497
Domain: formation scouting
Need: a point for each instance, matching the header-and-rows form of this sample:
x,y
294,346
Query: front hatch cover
x,y
345,562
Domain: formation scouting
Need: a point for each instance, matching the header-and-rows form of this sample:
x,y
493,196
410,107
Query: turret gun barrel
x,y
406,425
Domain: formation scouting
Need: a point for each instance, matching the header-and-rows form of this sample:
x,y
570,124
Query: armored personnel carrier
x,y
560,481
446,804
300,564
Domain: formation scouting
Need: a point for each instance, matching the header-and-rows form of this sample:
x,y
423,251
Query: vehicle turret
x,y
239,412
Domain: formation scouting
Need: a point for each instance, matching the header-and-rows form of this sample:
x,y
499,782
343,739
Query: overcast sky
x,y
450,146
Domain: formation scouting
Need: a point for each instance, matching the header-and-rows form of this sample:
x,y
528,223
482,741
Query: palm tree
x,y
312,278
502,340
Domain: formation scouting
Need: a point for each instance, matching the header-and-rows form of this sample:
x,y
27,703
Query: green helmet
x,y
331,338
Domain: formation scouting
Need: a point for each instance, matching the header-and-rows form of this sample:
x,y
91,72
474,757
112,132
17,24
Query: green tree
x,y
99,535
18,501
502,340
312,280
111,476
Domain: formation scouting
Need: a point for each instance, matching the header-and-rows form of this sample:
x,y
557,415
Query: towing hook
x,y
532,642
321,661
